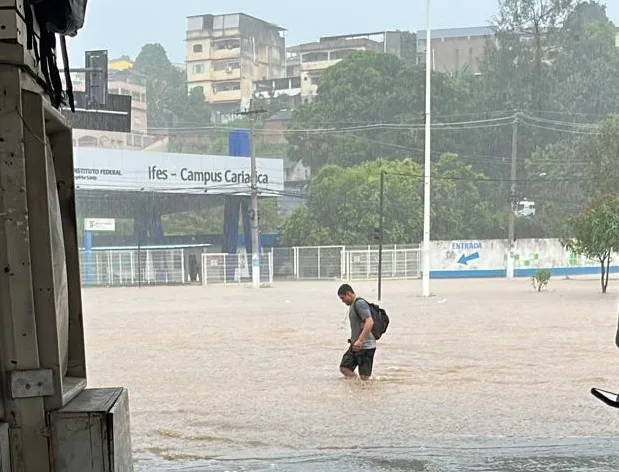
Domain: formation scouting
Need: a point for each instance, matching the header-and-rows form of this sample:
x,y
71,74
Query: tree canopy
x,y
169,103
343,204
553,63
595,234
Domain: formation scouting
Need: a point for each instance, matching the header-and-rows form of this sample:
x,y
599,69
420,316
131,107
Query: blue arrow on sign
x,y
464,260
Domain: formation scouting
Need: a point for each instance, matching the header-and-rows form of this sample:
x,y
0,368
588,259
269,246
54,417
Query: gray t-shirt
x,y
358,312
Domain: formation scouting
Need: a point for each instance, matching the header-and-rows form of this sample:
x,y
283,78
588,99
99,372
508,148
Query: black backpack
x,y
62,17
380,317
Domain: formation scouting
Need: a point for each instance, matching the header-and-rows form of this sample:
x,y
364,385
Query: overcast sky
x,y
123,26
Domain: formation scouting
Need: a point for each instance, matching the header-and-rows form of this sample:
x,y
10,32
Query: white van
x,y
525,208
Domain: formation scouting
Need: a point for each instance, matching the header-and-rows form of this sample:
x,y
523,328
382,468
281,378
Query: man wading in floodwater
x,y
362,343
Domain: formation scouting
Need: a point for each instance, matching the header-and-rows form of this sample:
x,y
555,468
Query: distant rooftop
x,y
474,31
245,15
334,42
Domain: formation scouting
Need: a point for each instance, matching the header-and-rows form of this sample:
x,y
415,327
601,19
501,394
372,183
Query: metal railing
x,y
115,268
118,268
397,264
234,268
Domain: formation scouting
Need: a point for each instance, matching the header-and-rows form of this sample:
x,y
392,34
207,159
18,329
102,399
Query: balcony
x,y
275,87
222,92
225,97
226,49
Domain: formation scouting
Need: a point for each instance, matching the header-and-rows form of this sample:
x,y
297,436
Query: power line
x,y
493,180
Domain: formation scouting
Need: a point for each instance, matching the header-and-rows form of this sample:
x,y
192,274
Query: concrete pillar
x,y
42,360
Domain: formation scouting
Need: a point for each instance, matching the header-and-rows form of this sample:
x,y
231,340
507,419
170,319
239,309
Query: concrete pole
x,y
511,233
427,167
255,230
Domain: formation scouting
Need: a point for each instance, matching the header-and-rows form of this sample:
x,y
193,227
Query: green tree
x,y
585,71
169,103
463,202
537,20
300,228
343,204
595,234
556,174
601,154
166,88
367,89
211,220
568,174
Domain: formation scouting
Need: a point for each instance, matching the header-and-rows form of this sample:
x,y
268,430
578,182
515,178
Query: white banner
x,y
99,224
111,169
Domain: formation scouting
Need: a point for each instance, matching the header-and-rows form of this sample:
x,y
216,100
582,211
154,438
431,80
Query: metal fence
x,y
397,264
116,268
234,268
113,268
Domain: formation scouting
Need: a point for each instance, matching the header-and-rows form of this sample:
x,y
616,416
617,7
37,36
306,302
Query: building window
x,y
226,44
315,57
198,68
135,140
226,65
198,88
226,86
197,48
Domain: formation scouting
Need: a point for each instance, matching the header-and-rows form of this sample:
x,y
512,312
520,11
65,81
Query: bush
x,y
540,279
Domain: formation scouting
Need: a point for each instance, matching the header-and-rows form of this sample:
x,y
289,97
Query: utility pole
x,y
255,230
381,233
427,166
511,234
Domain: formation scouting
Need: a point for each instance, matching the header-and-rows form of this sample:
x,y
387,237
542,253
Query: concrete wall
x,y
454,54
488,258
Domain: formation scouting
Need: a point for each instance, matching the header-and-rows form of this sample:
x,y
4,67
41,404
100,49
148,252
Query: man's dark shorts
x,y
363,359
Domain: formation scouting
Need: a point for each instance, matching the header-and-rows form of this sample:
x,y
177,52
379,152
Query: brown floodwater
x,y
485,375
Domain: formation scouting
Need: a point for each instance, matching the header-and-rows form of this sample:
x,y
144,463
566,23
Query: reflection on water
x,y
593,455
230,379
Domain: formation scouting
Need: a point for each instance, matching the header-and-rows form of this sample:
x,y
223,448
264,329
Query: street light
x,y
427,167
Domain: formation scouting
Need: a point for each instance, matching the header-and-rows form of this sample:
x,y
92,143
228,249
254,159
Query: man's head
x,y
346,294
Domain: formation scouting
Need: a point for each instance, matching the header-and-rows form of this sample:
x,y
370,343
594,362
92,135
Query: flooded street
x,y
485,376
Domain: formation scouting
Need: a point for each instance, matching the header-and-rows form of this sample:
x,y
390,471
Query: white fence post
x,y
271,267
183,266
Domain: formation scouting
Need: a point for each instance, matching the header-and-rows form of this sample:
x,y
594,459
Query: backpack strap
x,y
46,51
67,73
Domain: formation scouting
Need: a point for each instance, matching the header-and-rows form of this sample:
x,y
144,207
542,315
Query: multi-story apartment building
x,y
309,61
227,53
456,49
